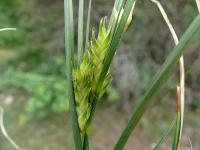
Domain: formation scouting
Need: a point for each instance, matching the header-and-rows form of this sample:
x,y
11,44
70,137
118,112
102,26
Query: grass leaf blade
x,y
88,23
177,132
117,6
159,78
115,40
69,47
80,28
166,133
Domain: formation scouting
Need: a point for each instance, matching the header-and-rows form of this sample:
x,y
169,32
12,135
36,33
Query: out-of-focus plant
x,y
2,128
47,93
88,74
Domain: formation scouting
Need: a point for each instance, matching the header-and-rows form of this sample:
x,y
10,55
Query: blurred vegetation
x,y
32,59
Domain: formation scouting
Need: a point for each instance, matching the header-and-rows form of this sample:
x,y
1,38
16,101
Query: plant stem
x,y
86,142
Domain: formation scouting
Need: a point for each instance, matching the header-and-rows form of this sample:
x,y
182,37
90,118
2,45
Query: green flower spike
x,y
86,75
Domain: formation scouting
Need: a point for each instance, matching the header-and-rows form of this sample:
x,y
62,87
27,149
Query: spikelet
x,y
87,73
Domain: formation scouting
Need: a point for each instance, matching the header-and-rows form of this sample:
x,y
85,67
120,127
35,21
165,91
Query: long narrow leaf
x,y
165,134
69,47
113,27
176,132
88,24
157,82
69,29
115,40
80,28
117,7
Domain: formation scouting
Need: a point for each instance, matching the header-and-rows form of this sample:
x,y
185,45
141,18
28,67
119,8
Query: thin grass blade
x,y
69,47
175,144
80,28
117,7
165,134
88,23
157,82
115,40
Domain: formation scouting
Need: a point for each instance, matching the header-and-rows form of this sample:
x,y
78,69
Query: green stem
x,y
86,142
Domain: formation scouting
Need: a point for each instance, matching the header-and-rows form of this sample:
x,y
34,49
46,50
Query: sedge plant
x,y
88,70
84,77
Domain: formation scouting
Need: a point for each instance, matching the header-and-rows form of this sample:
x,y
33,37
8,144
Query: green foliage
x,y
40,73
46,94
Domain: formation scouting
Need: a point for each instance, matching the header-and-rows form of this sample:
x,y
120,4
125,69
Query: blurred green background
x,y
33,82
